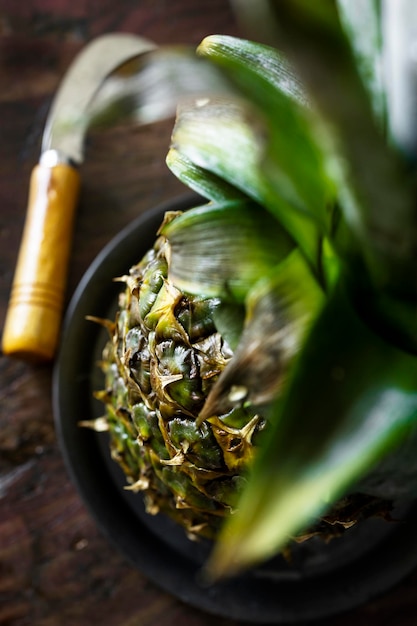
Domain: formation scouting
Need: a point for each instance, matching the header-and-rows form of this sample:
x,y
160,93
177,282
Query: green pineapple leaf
x,y
376,191
199,180
263,76
223,249
398,29
361,21
239,159
317,450
255,68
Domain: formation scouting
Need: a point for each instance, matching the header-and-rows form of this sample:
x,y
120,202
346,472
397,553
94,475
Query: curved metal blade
x,y
68,117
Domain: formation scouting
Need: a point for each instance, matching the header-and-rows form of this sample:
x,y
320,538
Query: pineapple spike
x,y
140,485
108,324
99,425
178,459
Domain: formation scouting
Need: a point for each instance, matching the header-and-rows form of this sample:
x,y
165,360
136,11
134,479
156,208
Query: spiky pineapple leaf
x,y
255,68
398,28
318,449
200,180
264,77
238,158
375,189
361,20
222,249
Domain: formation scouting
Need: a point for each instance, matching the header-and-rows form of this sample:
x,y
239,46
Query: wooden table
x,y
56,569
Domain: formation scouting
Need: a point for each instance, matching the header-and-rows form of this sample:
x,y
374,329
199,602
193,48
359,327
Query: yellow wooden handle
x,y
34,315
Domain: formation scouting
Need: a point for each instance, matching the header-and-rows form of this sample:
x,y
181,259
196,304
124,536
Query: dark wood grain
x,y
56,569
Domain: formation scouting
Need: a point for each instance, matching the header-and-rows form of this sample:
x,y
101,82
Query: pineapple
x,y
263,359
164,356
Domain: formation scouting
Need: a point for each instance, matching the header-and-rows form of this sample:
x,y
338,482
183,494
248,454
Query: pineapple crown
x,y
304,148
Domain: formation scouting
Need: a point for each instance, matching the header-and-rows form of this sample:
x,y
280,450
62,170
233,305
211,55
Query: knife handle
x,y
34,314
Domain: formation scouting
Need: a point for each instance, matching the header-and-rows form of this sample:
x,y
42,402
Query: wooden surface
x,y
55,566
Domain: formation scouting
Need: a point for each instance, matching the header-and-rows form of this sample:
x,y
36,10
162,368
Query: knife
x,y
36,303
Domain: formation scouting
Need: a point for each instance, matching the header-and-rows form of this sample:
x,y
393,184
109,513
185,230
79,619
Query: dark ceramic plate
x,y
323,580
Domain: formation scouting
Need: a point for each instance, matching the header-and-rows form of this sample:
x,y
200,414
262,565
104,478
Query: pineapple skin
x,y
163,357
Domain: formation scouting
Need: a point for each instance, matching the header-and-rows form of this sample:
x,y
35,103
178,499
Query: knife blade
x,y
33,317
